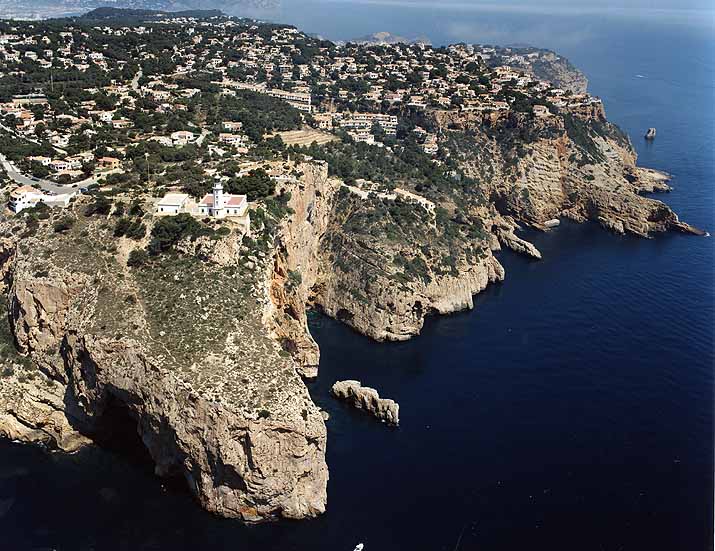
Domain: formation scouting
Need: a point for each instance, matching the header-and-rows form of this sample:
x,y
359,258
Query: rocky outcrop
x,y
647,180
367,399
32,410
581,169
213,399
237,466
385,287
504,229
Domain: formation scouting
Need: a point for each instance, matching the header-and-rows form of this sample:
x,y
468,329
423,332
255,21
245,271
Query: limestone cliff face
x,y
384,285
235,419
578,167
296,264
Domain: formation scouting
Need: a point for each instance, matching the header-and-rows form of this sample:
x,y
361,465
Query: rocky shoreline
x,y
216,389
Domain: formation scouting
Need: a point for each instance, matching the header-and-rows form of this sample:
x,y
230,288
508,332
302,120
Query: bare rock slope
x,y
183,349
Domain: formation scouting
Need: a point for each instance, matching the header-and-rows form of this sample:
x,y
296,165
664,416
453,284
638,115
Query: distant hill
x,y
103,14
388,38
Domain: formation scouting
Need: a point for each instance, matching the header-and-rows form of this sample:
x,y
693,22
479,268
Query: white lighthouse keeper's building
x,y
222,205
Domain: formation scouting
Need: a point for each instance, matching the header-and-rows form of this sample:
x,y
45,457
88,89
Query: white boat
x,y
359,547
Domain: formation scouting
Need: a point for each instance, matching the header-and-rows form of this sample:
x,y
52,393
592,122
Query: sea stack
x,y
367,398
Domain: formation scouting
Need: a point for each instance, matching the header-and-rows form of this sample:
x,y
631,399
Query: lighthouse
x,y
218,206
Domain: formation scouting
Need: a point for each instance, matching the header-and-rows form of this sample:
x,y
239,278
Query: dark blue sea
x,y
572,409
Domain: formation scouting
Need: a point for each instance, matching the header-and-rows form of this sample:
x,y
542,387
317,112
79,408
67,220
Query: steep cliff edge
x,y
179,347
386,264
296,262
536,169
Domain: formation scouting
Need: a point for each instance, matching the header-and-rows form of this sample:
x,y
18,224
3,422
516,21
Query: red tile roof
x,y
229,200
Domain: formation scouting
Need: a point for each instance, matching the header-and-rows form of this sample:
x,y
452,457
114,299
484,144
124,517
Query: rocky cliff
x,y
536,169
296,263
181,348
385,265
202,348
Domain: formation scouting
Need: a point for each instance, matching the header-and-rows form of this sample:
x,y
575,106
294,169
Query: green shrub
x,y
133,229
168,231
101,206
255,185
138,258
63,224
294,279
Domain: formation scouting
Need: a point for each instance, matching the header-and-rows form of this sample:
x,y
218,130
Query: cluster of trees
x,y
406,164
101,206
259,113
130,225
255,185
168,231
17,150
154,153
192,178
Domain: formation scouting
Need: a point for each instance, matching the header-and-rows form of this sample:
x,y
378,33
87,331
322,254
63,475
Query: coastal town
x,y
95,106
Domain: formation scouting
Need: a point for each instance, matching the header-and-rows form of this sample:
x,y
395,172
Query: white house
x,y
232,126
182,137
163,140
172,203
221,205
239,140
24,197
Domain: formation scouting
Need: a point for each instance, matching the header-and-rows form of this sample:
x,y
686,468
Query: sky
x,y
567,6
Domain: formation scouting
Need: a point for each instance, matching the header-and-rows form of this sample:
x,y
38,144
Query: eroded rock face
x,y
384,286
213,398
368,399
574,166
296,263
33,411
237,466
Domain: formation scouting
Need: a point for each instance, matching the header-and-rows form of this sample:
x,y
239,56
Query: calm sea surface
x,y
572,409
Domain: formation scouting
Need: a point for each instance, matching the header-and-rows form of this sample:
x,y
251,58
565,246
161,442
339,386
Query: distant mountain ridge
x,y
385,37
55,9
106,13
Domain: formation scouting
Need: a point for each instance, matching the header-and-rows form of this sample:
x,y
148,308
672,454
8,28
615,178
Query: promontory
x,y
180,189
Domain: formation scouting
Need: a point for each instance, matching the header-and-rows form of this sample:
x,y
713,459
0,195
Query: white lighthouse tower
x,y
218,206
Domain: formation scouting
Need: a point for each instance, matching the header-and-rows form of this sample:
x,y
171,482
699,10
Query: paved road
x,y
135,80
202,137
44,185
